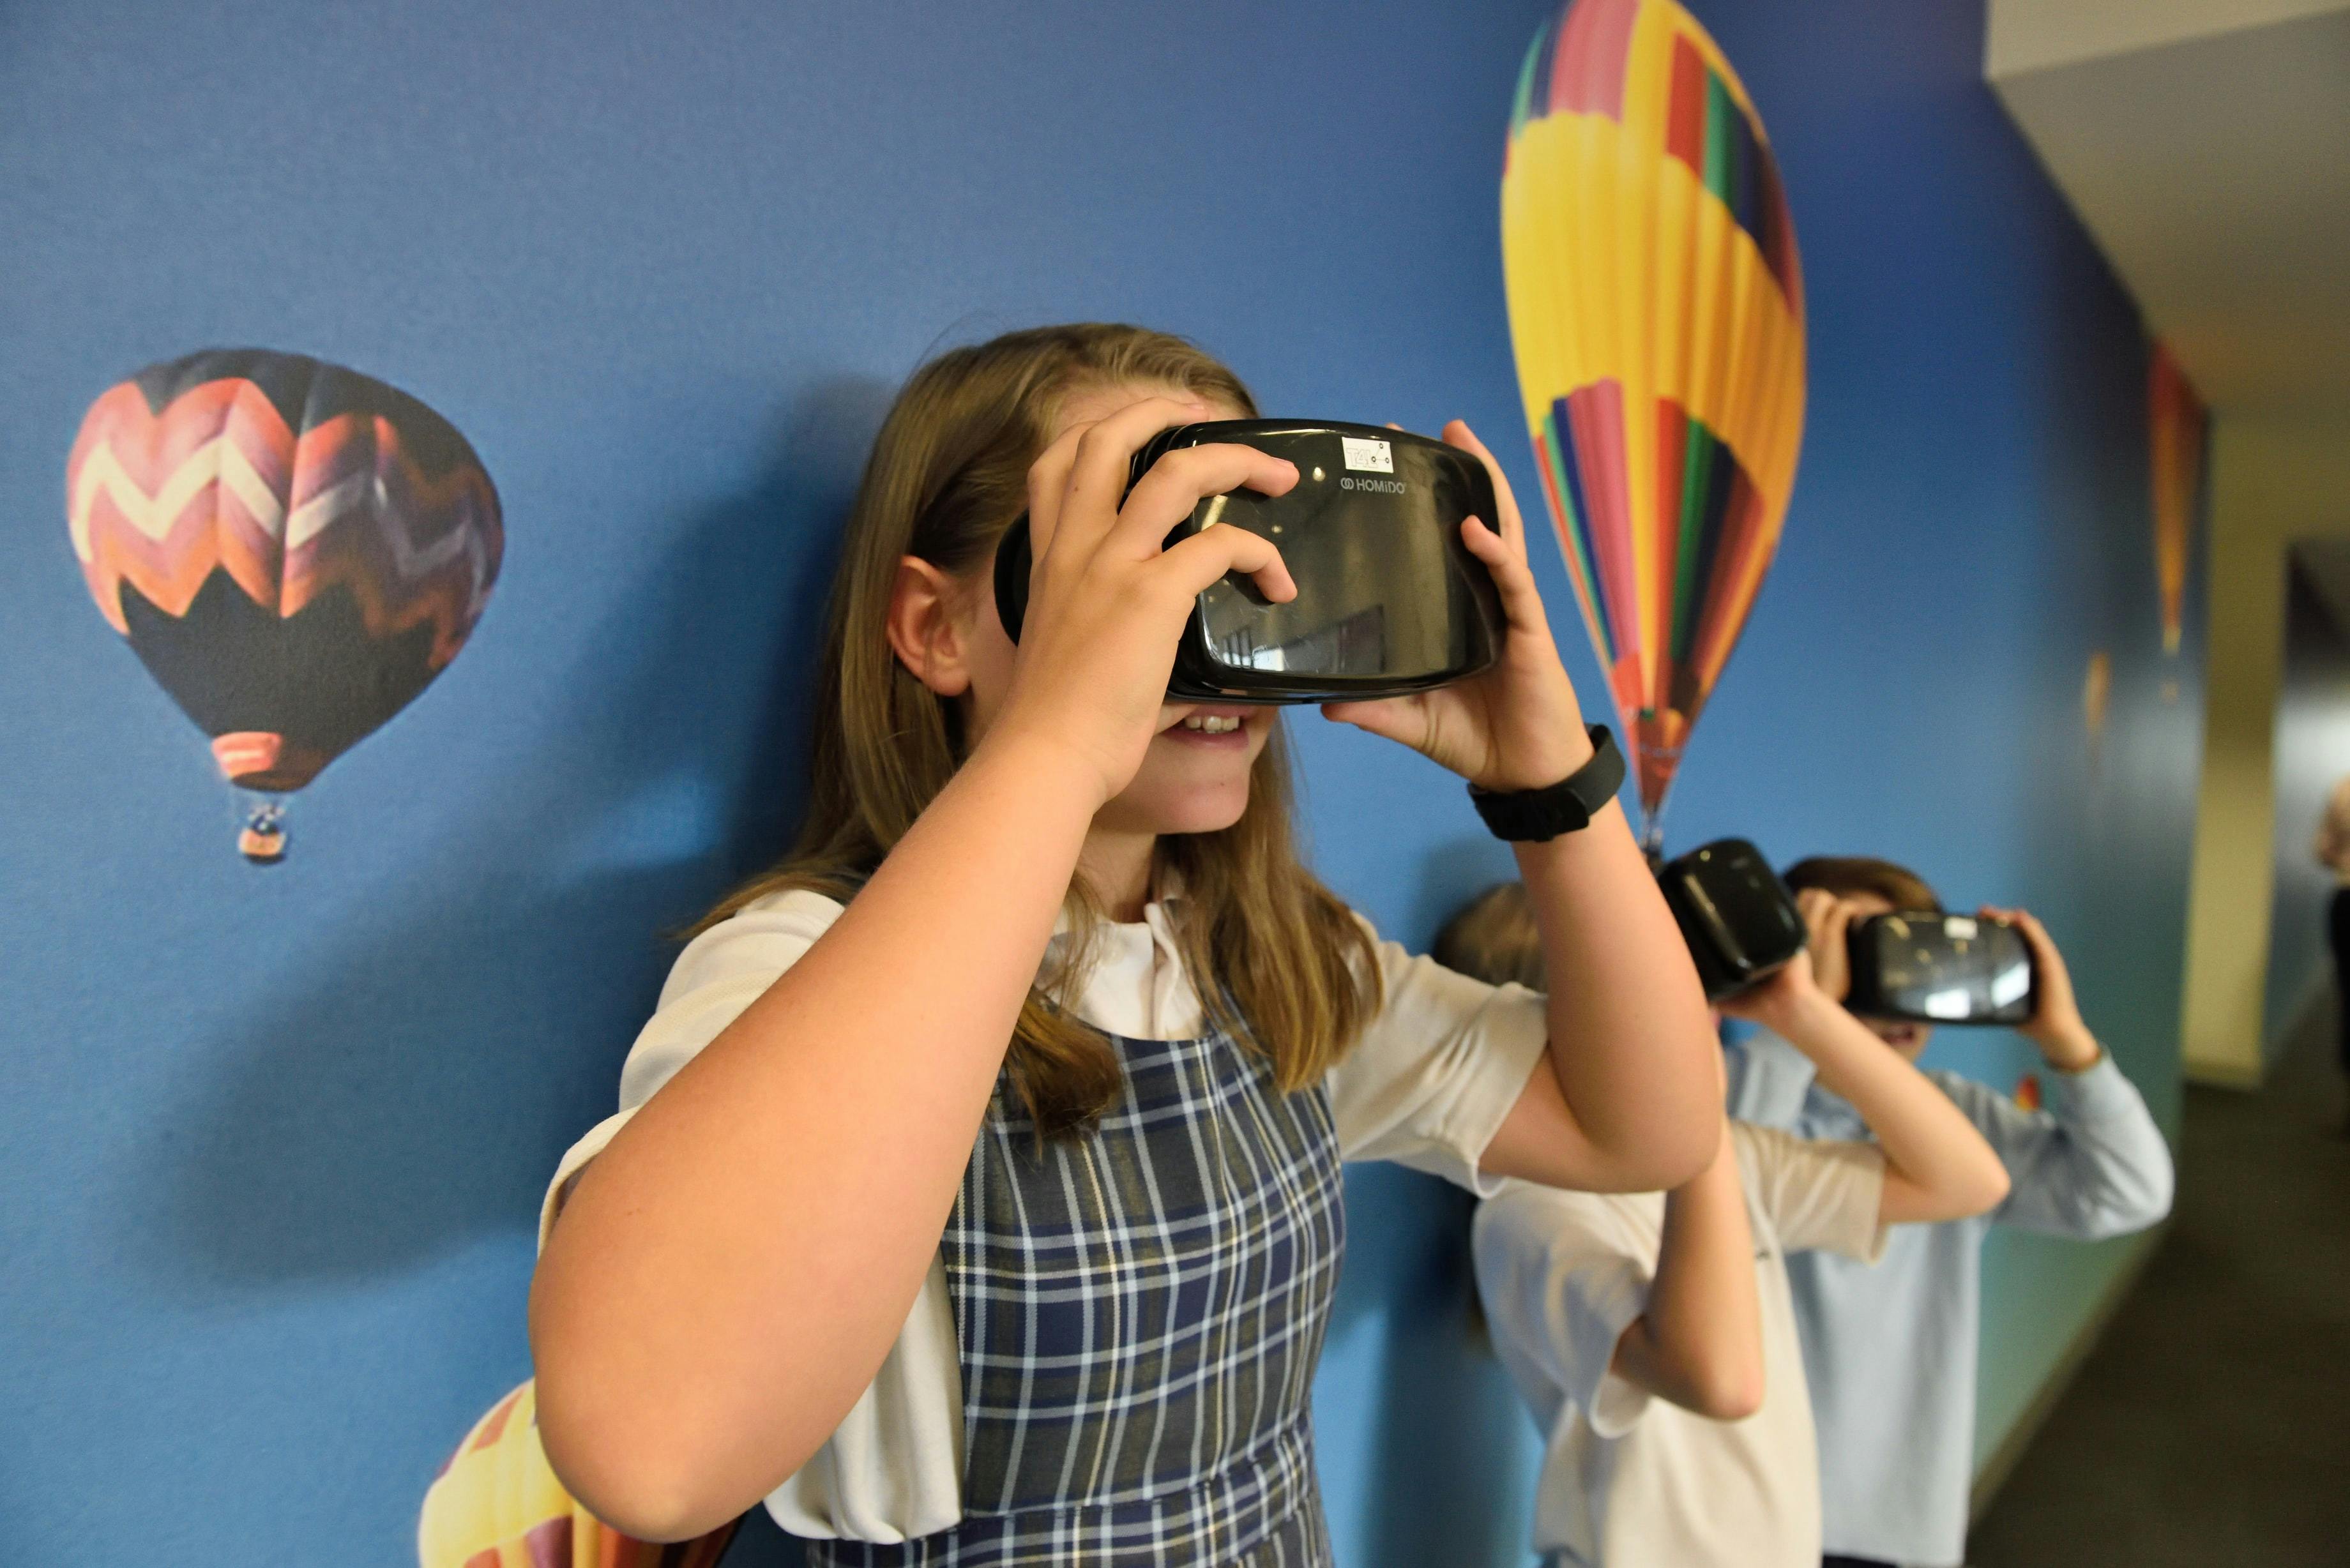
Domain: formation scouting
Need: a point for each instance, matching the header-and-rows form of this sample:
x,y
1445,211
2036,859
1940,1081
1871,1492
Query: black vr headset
x,y
1742,926
1739,922
1933,968
1389,601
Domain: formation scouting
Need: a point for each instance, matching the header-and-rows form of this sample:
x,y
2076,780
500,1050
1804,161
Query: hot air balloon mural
x,y
497,1504
2097,700
293,549
1656,311
2177,427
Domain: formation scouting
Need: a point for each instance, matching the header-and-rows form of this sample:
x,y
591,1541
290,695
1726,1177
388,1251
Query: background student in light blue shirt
x,y
1889,1351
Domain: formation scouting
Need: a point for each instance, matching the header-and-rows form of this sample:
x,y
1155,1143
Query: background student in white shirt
x,y
975,1196
1653,1335
1889,1351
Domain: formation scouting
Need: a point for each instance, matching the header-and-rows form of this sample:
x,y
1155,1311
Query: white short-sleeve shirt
x,y
1427,1085
1627,1480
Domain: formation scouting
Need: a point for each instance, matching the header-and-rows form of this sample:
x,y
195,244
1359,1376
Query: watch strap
x,y
1566,807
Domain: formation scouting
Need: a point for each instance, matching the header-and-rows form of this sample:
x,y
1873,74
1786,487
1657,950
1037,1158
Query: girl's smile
x,y
1213,729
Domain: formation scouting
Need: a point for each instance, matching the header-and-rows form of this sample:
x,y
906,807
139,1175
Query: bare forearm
x,y
1928,1142
1630,1040
2068,1047
1699,1342
730,1272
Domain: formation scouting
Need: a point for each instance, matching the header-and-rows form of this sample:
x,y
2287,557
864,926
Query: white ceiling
x,y
2205,144
2030,35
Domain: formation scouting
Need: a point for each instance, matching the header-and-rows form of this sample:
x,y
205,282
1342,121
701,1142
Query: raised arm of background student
x,y
1936,1165
2091,1162
1697,1341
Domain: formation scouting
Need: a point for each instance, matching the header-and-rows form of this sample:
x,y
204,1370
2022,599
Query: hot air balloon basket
x,y
262,840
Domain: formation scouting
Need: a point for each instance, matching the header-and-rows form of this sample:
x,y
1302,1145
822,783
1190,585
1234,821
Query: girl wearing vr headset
x,y
974,1196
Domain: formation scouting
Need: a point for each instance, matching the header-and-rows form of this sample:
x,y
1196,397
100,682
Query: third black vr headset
x,y
1389,600
1933,968
1742,926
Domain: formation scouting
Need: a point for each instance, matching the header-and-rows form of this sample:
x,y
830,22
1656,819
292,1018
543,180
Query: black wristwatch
x,y
1566,807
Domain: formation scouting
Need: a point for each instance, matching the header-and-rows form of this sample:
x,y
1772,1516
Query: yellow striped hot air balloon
x,y
1657,311
498,1505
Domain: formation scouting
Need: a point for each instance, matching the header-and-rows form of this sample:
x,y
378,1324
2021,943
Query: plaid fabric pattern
x,y
1139,1311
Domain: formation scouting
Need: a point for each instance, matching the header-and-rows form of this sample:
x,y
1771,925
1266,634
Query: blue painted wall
x,y
276,1138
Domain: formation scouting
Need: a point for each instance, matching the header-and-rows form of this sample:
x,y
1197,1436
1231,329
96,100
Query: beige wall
x,y
2273,482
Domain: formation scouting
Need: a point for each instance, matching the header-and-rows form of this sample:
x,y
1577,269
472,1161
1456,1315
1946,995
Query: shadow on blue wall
x,y
1442,1471
1445,1478
389,1060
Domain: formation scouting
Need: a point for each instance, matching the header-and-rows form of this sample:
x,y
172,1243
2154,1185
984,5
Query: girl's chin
x,y
1162,807
1192,815
1189,785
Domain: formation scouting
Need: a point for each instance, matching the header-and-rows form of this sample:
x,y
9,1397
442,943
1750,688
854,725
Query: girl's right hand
x,y
1107,603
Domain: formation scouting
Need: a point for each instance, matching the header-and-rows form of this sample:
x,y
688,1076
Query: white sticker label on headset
x,y
1958,928
1366,452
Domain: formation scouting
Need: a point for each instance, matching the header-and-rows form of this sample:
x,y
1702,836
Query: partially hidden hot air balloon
x,y
2177,428
497,1504
293,549
1656,311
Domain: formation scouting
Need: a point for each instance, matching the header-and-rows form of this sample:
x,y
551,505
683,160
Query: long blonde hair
x,y
1273,954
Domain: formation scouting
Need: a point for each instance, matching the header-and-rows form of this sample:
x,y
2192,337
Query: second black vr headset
x,y
1389,600
1739,922
1742,926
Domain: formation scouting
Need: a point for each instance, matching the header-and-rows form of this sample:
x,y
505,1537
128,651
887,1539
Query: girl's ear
x,y
926,627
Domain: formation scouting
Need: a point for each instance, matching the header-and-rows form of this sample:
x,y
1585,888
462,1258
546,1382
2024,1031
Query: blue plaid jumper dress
x,y
1139,1311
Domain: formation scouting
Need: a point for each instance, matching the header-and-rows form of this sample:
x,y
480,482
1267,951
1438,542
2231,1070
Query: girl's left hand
x,y
1518,725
